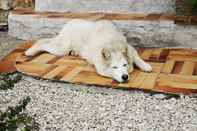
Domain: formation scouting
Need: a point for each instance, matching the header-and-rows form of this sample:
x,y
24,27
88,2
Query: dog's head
x,y
117,63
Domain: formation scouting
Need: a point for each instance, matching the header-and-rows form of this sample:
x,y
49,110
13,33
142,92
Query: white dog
x,y
100,43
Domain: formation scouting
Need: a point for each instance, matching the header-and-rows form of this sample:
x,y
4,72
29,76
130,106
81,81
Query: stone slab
x,y
143,6
3,16
140,33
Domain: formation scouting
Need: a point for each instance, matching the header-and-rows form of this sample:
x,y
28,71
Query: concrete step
x,y
3,26
148,31
140,6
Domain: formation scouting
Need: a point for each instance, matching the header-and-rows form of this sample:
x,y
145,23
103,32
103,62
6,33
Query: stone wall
x,y
144,6
139,33
5,5
3,16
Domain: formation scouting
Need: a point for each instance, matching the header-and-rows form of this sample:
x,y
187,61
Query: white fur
x,y
88,39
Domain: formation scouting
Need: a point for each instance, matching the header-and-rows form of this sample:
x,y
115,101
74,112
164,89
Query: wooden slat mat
x,y
174,70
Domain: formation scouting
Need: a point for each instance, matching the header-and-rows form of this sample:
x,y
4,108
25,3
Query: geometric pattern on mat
x,y
174,70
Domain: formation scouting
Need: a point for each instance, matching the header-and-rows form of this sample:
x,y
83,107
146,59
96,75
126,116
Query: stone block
x,y
139,33
3,16
142,6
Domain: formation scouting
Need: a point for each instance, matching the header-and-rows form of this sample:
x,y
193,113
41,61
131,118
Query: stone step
x,y
150,31
3,26
117,6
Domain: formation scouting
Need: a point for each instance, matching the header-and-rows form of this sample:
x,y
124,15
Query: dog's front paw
x,y
73,53
147,67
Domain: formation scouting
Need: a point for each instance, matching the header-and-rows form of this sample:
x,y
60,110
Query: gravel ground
x,y
60,107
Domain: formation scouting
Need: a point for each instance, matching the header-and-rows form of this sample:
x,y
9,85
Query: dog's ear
x,y
106,54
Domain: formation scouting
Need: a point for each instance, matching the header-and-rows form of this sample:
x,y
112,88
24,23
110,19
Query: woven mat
x,y
174,70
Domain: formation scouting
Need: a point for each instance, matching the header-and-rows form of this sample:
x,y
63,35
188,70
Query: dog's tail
x,y
37,47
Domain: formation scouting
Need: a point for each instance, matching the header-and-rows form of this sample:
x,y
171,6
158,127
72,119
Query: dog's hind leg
x,y
135,58
48,45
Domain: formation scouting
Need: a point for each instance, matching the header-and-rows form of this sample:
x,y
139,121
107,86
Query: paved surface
x,y
60,107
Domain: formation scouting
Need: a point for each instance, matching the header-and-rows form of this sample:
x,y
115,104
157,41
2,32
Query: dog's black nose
x,y
125,77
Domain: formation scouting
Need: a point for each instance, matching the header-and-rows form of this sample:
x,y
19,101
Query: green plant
x,y
7,80
14,119
186,7
192,5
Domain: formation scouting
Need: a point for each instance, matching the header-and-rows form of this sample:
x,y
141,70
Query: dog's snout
x,y
125,77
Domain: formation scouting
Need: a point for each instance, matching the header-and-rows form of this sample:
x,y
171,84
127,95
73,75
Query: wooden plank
x,y
51,74
164,54
64,72
67,61
188,68
157,67
91,78
176,83
54,60
36,69
7,63
21,58
178,57
177,67
69,76
47,70
156,54
140,50
89,68
137,82
195,69
178,78
146,54
43,58
187,52
168,66
149,82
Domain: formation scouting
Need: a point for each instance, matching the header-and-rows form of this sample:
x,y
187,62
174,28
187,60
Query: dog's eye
x,y
125,65
115,67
